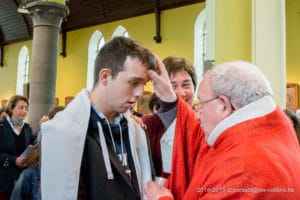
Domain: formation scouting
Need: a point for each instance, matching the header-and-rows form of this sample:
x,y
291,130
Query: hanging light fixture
x,y
22,7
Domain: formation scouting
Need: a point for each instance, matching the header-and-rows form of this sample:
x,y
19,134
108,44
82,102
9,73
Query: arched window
x,y
200,45
120,31
23,71
96,42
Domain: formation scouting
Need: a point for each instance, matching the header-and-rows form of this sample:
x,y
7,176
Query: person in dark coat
x,y
15,136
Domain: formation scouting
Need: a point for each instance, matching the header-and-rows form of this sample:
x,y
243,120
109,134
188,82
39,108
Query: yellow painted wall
x,y
233,41
293,42
8,73
233,30
177,31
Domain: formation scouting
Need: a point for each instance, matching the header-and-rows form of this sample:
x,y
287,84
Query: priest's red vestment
x,y
188,136
255,159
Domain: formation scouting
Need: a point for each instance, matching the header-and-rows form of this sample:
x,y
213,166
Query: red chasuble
x,y
255,159
188,135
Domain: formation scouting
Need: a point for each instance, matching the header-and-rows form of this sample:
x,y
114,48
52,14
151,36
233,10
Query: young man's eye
x,y
134,83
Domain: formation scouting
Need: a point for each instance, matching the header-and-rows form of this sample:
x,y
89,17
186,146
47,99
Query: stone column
x,y
47,19
269,44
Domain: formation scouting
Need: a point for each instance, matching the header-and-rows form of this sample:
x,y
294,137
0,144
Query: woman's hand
x,y
21,162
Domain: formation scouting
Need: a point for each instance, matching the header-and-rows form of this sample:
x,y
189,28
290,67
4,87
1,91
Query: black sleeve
x,y
167,112
7,159
82,188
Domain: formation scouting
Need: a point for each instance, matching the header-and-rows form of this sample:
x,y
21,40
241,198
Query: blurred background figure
x,y
153,106
28,185
295,121
298,113
15,136
2,113
196,107
154,103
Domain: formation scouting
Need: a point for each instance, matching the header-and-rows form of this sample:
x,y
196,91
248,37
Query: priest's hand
x,y
154,192
161,83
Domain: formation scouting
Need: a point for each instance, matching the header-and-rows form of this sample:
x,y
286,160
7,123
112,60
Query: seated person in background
x,y
249,150
28,185
15,136
295,121
161,132
3,114
153,107
154,103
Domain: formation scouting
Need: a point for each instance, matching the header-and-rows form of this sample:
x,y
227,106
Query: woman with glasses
x,y
15,136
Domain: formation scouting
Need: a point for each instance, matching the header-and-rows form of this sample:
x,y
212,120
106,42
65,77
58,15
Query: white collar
x,y
255,109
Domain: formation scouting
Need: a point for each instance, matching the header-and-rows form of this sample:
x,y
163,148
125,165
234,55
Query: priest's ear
x,y
227,108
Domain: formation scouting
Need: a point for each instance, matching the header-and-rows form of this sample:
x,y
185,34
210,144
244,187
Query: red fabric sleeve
x,y
188,135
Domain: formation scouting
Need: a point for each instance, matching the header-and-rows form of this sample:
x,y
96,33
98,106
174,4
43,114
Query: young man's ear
x,y
104,74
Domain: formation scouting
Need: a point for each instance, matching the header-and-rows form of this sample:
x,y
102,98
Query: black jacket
x,y
93,177
9,172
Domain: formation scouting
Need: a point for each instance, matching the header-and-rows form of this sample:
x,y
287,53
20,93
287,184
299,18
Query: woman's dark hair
x,y
55,110
154,102
176,64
